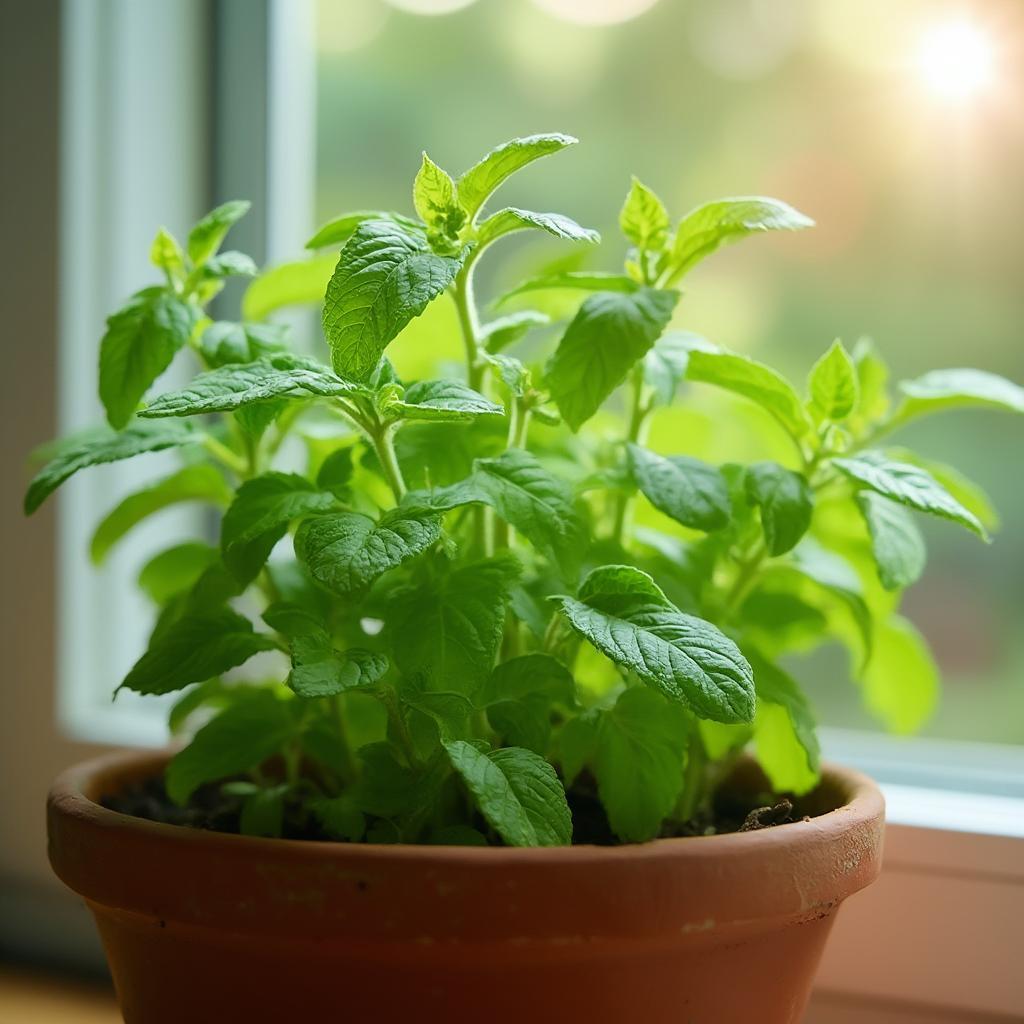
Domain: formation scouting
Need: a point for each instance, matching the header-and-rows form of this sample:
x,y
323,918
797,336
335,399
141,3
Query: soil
x,y
213,810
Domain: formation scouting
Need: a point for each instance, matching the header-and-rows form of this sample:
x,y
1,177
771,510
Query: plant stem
x,y
383,444
398,724
351,765
638,414
225,456
693,777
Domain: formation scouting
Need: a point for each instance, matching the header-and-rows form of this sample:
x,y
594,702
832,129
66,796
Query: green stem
x,y
399,726
345,742
226,457
383,445
639,412
469,324
693,777
749,568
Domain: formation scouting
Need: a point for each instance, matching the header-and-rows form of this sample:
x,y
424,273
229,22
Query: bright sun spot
x,y
956,60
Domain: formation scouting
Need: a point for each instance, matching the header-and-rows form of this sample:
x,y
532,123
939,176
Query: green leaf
x,y
336,471
966,491
622,612
689,491
227,342
533,500
833,385
582,280
786,501
196,647
958,389
872,381
176,569
481,180
448,629
644,219
896,542
909,485
205,238
447,400
639,762
340,229
166,254
300,283
753,380
520,696
259,516
319,670
784,729
263,812
901,683
340,818
386,787
513,374
348,551
140,342
201,482
517,792
237,385
608,335
707,227
231,264
577,745
433,195
385,276
105,446
665,364
500,333
239,739
512,219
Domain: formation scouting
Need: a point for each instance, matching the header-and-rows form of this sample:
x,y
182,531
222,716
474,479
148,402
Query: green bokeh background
x,y
918,200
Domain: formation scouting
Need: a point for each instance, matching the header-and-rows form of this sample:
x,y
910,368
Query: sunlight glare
x,y
956,60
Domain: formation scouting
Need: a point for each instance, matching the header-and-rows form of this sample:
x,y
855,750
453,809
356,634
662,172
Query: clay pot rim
x,y
76,791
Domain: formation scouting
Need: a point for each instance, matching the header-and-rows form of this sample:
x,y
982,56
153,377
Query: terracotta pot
x,y
204,927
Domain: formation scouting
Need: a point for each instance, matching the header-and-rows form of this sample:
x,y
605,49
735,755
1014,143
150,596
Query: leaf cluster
x,y
454,629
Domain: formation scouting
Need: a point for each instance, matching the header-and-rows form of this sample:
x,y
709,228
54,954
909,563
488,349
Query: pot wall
x,y
206,927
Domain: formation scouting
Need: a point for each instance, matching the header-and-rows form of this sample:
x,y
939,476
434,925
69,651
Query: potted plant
x,y
488,758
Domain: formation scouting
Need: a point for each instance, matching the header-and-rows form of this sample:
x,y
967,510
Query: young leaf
x,y
262,812
872,381
166,254
832,383
511,219
958,389
908,485
482,179
340,229
517,792
707,227
385,276
227,342
786,501
665,364
448,629
639,762
644,219
500,333
140,342
521,694
319,670
608,335
240,738
200,482
105,446
784,729
433,195
448,400
176,569
583,280
259,516
205,238
194,648
300,283
896,542
901,683
340,818
753,380
237,385
689,491
627,618
966,491
348,551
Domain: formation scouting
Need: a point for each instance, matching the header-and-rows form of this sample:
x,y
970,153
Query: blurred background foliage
x,y
898,126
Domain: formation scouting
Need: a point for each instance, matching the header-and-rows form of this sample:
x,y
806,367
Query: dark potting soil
x,y
212,809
